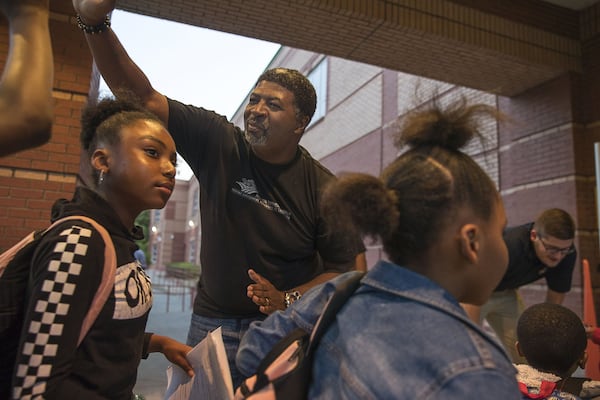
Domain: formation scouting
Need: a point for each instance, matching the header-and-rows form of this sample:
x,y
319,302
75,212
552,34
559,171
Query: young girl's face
x,y
142,169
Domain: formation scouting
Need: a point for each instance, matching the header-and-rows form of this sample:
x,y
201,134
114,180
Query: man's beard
x,y
257,140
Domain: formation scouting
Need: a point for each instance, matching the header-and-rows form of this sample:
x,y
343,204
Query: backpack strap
x,y
343,291
9,254
110,268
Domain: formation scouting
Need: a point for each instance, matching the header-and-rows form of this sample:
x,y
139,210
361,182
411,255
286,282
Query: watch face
x,y
291,297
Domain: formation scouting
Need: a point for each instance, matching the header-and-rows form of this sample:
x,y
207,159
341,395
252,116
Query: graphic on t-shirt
x,y
247,189
133,294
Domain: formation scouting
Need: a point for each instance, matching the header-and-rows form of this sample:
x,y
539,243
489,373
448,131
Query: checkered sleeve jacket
x,y
66,272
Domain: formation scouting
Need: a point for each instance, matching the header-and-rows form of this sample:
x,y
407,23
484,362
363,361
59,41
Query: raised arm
x,y
26,83
112,60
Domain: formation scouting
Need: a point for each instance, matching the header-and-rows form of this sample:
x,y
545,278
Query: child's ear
x,y
518,346
99,160
469,242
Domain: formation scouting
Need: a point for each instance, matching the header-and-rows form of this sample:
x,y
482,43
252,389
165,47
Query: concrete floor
x,y
152,378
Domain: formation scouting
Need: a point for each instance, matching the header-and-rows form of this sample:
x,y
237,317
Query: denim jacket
x,y
400,336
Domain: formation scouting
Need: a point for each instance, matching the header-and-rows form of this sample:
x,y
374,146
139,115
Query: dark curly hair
x,y
552,338
101,122
305,96
423,189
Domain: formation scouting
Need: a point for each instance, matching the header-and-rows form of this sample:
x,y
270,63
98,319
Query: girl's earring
x,y
101,177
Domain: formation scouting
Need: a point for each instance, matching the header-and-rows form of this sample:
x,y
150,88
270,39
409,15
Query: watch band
x,y
290,297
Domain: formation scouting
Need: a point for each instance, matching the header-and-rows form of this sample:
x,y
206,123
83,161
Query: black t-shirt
x,y
253,214
525,267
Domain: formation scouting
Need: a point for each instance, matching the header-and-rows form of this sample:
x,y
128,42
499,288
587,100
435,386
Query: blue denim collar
x,y
403,282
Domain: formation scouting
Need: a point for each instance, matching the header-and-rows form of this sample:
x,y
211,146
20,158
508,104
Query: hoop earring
x,y
101,177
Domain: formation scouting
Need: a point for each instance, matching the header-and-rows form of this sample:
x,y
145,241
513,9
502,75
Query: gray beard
x,y
256,141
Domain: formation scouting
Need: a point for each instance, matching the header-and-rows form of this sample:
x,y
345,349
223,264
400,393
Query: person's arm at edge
x,y
173,350
112,60
26,84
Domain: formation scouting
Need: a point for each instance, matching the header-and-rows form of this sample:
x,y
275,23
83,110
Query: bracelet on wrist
x,y
290,297
93,29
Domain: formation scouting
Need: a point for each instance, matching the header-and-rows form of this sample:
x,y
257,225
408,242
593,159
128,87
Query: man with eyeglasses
x,y
543,248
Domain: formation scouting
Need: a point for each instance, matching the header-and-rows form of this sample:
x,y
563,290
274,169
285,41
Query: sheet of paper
x,y
212,380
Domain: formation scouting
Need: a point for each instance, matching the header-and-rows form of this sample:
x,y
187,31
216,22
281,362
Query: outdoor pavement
x,y
170,316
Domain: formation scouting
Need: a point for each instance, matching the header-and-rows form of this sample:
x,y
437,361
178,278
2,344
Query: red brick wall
x,y
30,181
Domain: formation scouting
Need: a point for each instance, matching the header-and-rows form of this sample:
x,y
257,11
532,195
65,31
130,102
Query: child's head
x,y
552,339
432,194
132,157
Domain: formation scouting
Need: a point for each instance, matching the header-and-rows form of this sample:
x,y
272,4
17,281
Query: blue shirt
x,y
400,336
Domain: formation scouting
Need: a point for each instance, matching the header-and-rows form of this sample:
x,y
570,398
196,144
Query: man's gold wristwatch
x,y
290,297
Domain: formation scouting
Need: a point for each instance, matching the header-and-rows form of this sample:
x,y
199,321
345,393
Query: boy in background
x,y
552,339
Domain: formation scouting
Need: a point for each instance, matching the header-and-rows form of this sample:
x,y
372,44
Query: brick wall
x,y
541,158
30,181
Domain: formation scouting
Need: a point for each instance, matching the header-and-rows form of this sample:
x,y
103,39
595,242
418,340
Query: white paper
x,y
212,378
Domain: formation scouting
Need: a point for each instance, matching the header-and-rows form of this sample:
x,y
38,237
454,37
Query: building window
x,y
154,254
196,202
192,256
318,77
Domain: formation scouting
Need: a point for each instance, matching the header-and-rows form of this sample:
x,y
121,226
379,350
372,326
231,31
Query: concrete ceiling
x,y
501,46
572,4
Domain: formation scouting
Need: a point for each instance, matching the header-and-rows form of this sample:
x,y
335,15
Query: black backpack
x,y
285,372
15,282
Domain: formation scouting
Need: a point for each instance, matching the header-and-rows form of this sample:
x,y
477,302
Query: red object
x,y
592,369
595,336
546,389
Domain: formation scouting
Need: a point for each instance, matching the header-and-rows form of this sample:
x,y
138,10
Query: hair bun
x,y
451,128
360,202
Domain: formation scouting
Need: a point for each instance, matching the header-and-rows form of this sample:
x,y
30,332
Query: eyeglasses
x,y
553,250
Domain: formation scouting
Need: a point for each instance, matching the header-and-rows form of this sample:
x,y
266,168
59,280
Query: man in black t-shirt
x,y
543,248
264,241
